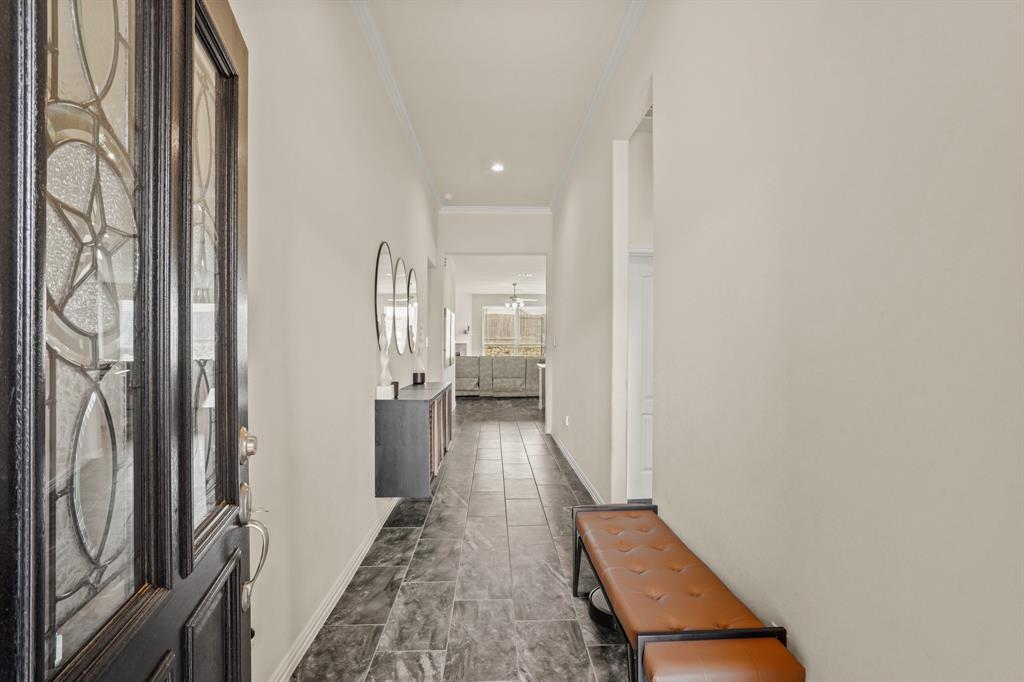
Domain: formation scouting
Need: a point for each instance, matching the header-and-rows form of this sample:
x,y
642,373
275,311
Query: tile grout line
x,y
458,569
508,543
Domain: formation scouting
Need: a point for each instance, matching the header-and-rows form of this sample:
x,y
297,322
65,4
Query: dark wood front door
x,y
124,516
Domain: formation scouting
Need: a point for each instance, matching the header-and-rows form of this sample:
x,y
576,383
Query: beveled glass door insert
x,y
91,519
206,487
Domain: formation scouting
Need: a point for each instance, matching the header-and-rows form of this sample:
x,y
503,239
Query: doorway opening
x,y
500,326
640,314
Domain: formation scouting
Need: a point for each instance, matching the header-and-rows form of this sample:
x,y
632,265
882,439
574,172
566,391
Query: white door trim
x,y
640,382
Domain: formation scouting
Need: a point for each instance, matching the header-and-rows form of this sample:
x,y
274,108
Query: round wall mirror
x,y
401,306
414,311
384,311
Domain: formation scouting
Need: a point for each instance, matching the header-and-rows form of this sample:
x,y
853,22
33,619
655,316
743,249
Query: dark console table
x,y
412,434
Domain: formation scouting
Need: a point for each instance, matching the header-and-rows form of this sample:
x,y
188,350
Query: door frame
x,y
22,71
23,62
639,257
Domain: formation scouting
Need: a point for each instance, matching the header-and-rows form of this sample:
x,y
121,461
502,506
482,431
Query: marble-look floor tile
x,y
339,654
547,476
419,619
560,521
367,599
435,560
484,575
393,547
610,663
486,533
481,645
518,470
466,537
544,461
516,489
488,466
487,504
552,651
447,517
484,571
407,666
556,495
514,458
540,591
408,513
525,513
487,483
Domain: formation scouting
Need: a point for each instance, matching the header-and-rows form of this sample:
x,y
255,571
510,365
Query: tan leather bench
x,y
721,660
657,588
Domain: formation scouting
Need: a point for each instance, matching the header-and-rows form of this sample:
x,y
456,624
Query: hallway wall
x,y
331,175
840,381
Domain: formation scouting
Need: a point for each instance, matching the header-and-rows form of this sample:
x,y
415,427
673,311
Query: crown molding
x,y
626,29
376,44
521,210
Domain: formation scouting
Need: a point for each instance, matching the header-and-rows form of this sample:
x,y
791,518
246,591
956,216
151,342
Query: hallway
x,y
474,585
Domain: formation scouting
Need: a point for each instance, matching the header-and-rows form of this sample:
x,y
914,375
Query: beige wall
x,y
641,188
330,176
840,380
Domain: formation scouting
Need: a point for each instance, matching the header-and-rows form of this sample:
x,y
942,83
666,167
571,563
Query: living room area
x,y
500,325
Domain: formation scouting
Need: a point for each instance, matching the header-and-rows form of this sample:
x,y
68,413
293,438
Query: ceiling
x,y
506,81
495,274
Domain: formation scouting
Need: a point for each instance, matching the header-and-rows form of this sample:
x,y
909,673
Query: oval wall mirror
x,y
414,310
401,306
384,286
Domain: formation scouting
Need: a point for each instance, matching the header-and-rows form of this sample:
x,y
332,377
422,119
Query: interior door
x,y
640,382
125,494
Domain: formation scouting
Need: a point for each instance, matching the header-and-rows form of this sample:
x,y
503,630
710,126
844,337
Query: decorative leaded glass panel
x,y
204,275
92,254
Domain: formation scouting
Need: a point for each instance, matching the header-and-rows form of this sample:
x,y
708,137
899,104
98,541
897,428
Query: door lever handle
x,y
248,584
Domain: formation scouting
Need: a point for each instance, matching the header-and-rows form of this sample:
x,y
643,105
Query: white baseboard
x,y
598,498
298,649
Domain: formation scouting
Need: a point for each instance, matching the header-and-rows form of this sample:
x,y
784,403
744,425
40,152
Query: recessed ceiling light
x,y
448,196
498,167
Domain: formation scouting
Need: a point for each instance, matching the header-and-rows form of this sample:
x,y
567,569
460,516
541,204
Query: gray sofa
x,y
497,377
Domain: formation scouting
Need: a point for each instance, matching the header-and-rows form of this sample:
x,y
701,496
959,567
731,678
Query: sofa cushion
x,y
467,367
509,368
508,385
654,582
722,660
466,384
485,375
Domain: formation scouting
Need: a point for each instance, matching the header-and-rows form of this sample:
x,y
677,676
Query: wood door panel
x,y
165,669
211,641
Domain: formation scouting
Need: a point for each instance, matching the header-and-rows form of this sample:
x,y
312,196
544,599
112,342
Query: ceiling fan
x,y
516,302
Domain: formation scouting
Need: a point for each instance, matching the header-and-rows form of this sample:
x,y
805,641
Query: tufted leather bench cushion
x,y
653,581
721,660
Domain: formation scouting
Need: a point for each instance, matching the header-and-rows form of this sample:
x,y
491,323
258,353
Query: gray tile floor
x,y
475,583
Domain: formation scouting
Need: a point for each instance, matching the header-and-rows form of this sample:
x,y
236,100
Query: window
x,y
514,332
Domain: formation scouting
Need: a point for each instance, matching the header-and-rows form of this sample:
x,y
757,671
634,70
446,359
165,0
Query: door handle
x,y
248,584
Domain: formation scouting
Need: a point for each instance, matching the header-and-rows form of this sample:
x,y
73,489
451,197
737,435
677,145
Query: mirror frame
x,y
376,295
408,316
400,343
